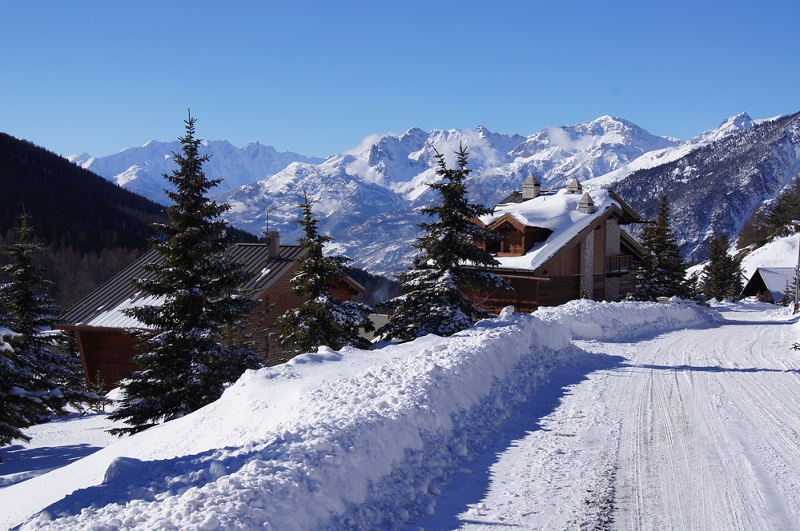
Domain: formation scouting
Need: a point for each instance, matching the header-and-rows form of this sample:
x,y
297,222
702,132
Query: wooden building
x,y
100,325
559,246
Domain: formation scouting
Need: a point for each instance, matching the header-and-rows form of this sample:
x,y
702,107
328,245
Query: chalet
x,y
769,284
561,245
100,324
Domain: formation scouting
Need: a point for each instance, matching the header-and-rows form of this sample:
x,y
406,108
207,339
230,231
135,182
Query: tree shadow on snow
x,y
471,484
128,478
681,368
17,459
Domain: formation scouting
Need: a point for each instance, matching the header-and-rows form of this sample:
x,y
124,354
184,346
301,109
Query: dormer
x,y
518,238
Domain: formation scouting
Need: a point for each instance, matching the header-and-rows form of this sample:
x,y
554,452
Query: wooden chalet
x,y
559,246
99,322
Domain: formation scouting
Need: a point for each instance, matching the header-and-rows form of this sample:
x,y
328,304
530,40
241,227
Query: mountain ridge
x,y
367,197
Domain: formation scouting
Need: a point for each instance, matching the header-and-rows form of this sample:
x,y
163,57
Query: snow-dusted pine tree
x,y
449,260
665,274
323,319
36,379
187,350
722,275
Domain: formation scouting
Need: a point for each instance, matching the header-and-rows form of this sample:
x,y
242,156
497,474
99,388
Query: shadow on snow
x,y
472,483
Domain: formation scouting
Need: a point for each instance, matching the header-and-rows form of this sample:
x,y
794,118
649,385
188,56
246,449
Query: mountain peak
x,y
731,125
740,121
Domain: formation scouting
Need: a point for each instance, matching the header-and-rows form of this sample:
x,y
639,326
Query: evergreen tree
x,y
787,298
722,275
664,275
432,300
192,354
36,380
323,319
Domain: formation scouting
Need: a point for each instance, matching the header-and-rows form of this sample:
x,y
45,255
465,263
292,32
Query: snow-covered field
x,y
628,416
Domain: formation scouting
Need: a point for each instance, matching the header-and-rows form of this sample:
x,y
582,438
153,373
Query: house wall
x,y
279,299
274,303
513,243
612,238
559,290
568,263
111,351
524,297
107,351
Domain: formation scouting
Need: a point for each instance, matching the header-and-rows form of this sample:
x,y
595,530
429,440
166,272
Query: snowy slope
x,y
718,186
378,234
657,157
781,252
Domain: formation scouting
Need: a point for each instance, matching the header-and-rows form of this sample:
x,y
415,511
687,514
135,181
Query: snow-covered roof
x,y
776,280
103,308
558,212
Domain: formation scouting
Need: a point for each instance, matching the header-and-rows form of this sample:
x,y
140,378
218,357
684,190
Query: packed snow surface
x,y
588,415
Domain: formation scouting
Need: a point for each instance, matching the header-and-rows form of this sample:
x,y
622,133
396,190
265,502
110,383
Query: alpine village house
x,y
559,246
100,325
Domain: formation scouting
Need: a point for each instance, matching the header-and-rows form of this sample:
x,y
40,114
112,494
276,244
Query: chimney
x,y
586,205
273,245
531,188
574,187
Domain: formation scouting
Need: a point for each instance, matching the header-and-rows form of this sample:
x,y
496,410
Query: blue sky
x,y
316,77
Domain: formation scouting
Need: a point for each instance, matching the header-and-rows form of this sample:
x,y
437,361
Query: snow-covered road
x,y
692,429
709,431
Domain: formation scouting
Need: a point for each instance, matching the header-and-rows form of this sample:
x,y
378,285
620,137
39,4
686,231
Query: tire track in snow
x,y
709,444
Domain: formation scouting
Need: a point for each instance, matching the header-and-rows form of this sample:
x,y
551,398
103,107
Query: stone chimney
x,y
273,245
586,205
531,188
574,187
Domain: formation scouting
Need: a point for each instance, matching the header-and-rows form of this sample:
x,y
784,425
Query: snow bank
x,y
627,321
362,440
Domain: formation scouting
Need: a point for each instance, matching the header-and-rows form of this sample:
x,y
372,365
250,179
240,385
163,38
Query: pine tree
x,y
187,350
787,299
448,261
36,379
722,275
323,319
664,275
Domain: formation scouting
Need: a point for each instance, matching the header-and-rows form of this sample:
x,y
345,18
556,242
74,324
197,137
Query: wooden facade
x,y
592,258
106,349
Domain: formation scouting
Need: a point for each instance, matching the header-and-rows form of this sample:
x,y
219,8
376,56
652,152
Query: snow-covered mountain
x,y
657,157
141,169
367,198
378,230
718,186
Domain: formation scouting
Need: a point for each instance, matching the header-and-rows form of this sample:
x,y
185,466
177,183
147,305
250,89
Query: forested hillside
x,y
93,228
721,186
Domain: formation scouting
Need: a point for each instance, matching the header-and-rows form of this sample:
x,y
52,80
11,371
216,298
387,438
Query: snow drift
x,y
359,439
